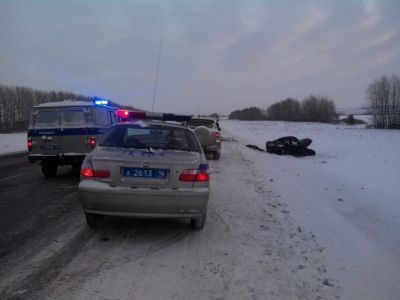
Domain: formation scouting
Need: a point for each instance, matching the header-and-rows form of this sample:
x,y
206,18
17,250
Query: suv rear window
x,y
72,117
204,122
47,118
100,117
156,137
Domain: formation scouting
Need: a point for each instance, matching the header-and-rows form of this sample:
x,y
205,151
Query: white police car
x,y
146,167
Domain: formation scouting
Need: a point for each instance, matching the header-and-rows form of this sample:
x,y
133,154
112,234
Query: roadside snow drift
x,y
12,142
348,194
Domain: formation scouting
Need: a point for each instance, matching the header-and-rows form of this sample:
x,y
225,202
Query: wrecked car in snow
x,y
290,145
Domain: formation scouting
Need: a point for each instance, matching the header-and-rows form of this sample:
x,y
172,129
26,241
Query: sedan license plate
x,y
145,173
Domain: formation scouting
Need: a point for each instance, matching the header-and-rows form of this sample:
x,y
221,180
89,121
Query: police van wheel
x,y
49,168
76,168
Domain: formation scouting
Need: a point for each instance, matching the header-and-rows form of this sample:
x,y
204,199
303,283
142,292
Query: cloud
x,y
217,55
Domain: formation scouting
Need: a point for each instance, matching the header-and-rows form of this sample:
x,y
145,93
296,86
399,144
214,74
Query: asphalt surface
x,y
29,203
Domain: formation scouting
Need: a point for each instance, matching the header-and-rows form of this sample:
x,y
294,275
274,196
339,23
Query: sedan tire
x,y
199,222
92,220
217,155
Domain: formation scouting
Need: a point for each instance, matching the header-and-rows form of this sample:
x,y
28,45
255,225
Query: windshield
x,y
155,137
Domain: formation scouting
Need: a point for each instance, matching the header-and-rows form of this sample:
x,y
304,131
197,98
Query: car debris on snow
x,y
287,145
290,145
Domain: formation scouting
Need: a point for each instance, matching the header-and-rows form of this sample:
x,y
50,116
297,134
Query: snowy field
x,y
12,142
348,194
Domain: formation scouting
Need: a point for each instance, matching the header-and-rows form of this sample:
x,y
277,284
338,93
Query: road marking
x,y
14,176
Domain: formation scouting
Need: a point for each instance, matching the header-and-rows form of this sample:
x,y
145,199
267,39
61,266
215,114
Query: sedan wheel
x,y
217,155
92,220
199,222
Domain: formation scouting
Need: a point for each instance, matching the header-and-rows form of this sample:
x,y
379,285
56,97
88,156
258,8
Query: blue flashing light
x,y
101,102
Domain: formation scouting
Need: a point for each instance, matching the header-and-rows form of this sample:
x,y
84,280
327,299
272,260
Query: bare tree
x,y
250,113
16,105
285,110
311,109
318,109
383,96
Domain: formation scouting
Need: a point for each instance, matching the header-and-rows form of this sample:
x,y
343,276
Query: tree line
x,y
16,104
383,103
311,109
383,96
251,113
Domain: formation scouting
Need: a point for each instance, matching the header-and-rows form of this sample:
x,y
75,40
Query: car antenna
x,y
156,79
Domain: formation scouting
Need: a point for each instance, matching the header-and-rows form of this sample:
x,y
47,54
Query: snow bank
x,y
367,158
347,194
12,142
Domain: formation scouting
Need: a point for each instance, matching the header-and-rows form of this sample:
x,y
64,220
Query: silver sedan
x,y
146,169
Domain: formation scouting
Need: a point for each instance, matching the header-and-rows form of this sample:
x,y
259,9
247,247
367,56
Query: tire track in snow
x,y
118,243
43,274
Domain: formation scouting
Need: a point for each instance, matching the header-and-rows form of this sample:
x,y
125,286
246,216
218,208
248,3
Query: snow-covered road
x,y
323,227
249,249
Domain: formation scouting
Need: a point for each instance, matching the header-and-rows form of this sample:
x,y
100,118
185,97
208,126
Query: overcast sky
x,y
217,56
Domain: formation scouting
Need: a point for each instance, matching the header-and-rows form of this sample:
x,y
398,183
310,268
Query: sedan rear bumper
x,y
101,198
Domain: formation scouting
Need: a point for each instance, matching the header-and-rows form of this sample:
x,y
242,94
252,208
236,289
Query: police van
x,y
61,133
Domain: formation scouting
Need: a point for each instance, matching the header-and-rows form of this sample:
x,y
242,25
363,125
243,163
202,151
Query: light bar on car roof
x,y
101,101
141,115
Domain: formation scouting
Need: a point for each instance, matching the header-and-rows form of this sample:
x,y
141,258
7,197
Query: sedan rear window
x,y
155,137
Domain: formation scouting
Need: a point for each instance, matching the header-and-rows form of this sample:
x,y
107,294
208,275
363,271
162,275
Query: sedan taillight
x,y
90,173
194,175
